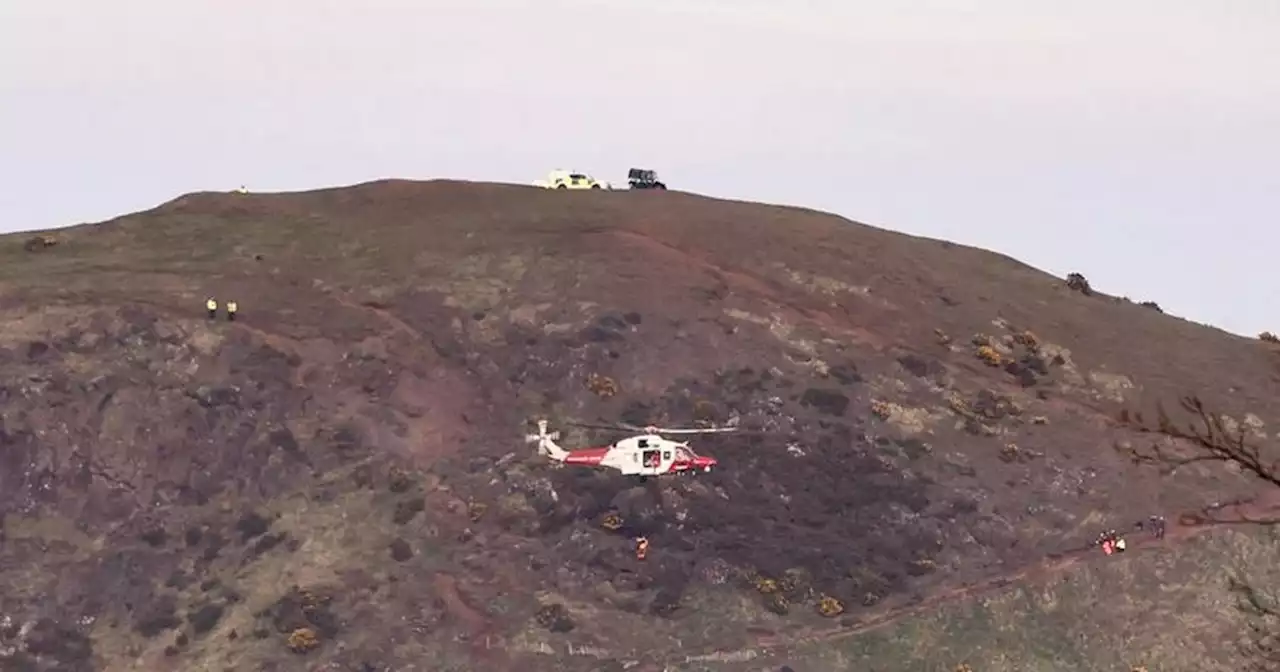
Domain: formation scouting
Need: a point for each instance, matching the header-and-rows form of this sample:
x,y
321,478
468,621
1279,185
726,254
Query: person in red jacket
x,y
1111,542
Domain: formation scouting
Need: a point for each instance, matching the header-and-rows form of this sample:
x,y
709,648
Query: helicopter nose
x,y
705,463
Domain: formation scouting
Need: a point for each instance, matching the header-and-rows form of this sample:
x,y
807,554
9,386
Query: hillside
x,y
340,476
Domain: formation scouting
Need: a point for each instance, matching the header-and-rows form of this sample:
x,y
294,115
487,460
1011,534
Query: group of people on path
x,y
1112,542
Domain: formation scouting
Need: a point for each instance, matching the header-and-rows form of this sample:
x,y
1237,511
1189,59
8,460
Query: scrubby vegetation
x,y
1077,282
989,355
602,386
358,432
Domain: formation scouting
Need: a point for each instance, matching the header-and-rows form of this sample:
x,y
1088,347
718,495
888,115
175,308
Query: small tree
x,y
1207,438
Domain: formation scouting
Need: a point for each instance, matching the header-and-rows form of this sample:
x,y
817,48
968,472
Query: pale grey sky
x,y
1135,141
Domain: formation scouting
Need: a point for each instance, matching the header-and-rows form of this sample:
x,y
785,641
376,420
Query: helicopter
x,y
643,455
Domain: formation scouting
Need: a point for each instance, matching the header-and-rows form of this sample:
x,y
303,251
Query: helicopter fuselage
x,y
644,455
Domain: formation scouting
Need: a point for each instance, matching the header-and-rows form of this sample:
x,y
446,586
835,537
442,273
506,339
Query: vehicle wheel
x,y
561,186
660,185
595,186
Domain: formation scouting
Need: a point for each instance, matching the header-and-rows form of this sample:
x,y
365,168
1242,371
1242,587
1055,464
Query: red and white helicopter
x,y
645,454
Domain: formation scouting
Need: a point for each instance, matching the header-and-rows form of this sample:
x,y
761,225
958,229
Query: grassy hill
x,y
339,476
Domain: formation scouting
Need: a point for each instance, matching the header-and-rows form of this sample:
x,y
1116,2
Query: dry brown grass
x,y
602,386
1027,340
830,607
303,640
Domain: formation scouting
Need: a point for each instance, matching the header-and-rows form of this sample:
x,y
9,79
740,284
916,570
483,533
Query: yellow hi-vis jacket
x,y
211,304
231,306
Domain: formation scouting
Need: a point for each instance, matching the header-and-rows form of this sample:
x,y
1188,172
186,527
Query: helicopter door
x,y
652,459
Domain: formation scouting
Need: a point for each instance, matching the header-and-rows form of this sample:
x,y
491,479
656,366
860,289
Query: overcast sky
x,y
1134,141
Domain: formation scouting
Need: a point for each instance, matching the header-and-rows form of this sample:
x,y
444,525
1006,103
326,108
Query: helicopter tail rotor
x,y
546,442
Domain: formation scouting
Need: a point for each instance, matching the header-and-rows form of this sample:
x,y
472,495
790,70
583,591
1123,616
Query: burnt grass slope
x,y
339,476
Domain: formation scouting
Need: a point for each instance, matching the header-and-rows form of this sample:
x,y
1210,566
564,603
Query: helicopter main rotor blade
x,y
589,425
708,430
652,429
617,427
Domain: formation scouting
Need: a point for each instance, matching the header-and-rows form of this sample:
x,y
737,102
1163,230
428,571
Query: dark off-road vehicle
x,y
640,178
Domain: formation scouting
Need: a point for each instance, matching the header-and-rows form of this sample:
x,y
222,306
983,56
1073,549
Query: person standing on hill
x,y
1153,524
212,306
231,311
1157,526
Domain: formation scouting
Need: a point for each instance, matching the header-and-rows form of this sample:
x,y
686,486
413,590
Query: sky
x,y
1134,141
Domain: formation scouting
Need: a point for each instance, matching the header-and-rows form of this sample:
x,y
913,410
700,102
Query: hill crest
x,y
932,416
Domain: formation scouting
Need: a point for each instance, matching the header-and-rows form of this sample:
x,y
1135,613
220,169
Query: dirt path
x,y
1186,526
797,305
372,308
479,629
